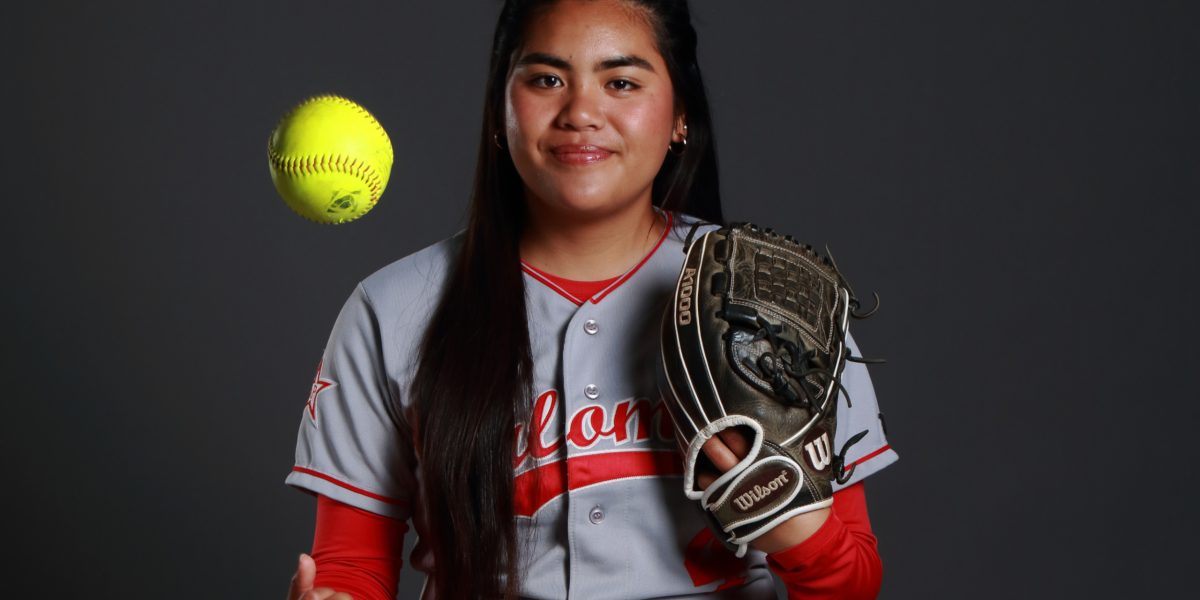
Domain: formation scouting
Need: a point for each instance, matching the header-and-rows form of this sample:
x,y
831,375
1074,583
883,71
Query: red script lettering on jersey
x,y
591,424
632,420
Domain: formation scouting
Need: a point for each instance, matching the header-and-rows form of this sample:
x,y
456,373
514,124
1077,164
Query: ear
x,y
680,131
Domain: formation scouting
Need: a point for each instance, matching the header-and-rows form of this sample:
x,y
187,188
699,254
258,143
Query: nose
x,y
581,109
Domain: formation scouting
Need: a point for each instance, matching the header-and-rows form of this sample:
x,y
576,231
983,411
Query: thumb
x,y
302,581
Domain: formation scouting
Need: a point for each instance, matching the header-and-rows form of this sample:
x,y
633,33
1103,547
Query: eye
x,y
623,85
546,81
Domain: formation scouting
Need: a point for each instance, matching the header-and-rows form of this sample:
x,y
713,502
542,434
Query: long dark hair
x,y
474,379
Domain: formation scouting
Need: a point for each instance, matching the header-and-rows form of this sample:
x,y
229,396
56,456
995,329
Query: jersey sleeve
x,y
861,412
353,445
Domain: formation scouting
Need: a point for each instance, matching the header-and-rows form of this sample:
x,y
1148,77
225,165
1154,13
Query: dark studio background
x,y
1017,179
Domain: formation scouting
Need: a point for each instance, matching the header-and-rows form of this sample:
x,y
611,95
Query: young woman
x,y
498,389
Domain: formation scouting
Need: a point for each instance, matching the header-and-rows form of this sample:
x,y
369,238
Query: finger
x,y
721,456
302,580
736,441
704,479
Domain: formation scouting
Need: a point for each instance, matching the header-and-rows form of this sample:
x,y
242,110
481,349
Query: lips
x,y
580,154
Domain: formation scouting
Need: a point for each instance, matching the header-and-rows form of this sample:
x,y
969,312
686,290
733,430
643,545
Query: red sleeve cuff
x,y
839,561
817,545
357,551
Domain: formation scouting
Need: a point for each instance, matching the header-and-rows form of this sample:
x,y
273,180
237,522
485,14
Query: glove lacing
x,y
787,359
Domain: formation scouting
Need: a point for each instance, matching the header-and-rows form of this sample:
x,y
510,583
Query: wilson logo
x,y
819,456
683,304
759,490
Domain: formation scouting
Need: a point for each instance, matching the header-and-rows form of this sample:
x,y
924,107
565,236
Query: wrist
x,y
792,532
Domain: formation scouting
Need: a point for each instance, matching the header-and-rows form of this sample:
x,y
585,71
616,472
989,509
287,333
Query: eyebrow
x,y
625,60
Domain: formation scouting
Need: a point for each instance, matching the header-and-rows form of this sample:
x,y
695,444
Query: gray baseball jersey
x,y
598,492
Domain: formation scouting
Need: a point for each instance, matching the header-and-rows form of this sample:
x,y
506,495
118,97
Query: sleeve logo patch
x,y
319,385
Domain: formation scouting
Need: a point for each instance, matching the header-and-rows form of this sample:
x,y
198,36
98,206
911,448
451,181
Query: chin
x,y
591,204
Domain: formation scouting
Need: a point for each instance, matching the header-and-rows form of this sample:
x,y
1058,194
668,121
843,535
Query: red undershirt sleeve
x,y
356,551
839,561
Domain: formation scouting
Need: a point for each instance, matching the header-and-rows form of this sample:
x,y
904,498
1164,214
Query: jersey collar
x,y
546,280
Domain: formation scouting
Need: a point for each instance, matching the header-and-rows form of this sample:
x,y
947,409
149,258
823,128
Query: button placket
x,y
591,391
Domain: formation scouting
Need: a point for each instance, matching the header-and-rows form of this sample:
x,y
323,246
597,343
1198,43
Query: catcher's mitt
x,y
755,337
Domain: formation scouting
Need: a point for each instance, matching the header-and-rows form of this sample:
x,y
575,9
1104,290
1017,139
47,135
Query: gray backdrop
x,y
1018,179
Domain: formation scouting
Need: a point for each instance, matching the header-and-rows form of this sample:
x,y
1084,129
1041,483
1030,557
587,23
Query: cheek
x,y
652,122
523,118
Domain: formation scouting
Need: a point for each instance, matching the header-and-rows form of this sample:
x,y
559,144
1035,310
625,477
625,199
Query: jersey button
x,y
591,391
591,327
596,516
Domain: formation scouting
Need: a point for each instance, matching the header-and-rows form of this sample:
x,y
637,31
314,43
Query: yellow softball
x,y
330,159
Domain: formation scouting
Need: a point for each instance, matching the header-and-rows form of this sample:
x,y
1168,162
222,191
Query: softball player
x,y
497,389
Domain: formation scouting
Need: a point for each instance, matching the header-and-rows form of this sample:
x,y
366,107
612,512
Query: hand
x,y
725,450
302,583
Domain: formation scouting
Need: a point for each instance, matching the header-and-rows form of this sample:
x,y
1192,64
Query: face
x,y
589,108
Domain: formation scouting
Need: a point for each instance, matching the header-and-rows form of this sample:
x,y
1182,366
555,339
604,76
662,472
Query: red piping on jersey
x,y
535,488
547,482
864,459
356,490
545,278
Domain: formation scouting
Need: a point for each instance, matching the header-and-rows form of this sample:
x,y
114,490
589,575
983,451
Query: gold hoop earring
x,y
678,148
496,141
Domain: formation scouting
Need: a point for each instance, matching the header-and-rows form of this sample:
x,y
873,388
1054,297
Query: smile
x,y
579,155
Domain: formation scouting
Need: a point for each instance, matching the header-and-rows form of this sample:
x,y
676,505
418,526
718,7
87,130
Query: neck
x,y
590,249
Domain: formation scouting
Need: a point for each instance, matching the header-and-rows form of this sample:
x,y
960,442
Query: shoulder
x,y
414,282
683,229
685,226
390,309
